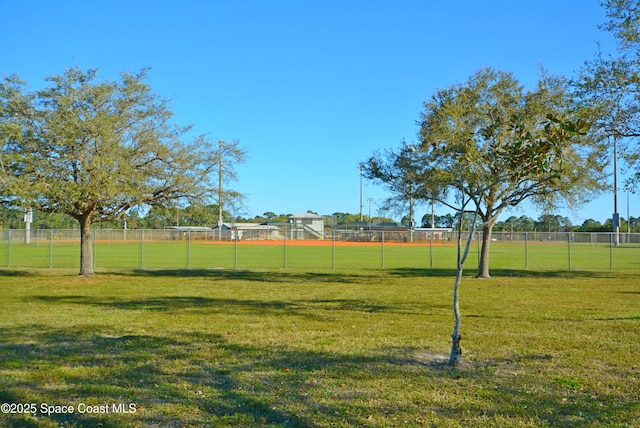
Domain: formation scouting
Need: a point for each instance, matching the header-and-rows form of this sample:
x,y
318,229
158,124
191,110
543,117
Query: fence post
x,y
611,251
142,249
285,247
51,249
188,249
526,250
382,241
236,249
478,240
569,247
95,247
9,249
334,246
431,249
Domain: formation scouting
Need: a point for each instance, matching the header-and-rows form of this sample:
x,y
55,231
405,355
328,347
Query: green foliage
x,y
490,141
608,86
93,149
624,21
488,137
227,155
398,171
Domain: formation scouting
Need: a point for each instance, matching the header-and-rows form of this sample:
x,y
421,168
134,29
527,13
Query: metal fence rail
x,y
283,247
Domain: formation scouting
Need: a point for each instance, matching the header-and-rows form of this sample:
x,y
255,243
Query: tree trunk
x,y
456,348
86,246
483,265
456,337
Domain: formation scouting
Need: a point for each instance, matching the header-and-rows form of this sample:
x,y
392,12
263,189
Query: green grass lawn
x,y
319,348
534,256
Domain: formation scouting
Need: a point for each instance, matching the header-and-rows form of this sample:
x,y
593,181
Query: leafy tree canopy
x,y
608,86
491,141
94,149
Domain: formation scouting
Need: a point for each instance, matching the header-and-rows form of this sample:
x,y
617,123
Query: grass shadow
x,y
520,273
316,309
17,273
175,303
246,275
191,378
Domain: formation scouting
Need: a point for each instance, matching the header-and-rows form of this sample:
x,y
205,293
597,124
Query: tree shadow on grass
x,y
16,273
247,275
187,378
520,273
315,309
177,303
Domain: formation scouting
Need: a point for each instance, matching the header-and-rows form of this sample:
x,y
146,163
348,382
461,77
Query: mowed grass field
x,y
516,256
318,348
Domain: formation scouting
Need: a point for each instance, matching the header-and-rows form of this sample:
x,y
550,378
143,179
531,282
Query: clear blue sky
x,y
310,88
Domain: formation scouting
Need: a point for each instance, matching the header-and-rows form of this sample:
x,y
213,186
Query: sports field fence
x,y
280,247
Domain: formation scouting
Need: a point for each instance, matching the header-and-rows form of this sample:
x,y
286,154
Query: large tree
x,y
473,135
531,157
473,146
608,86
93,149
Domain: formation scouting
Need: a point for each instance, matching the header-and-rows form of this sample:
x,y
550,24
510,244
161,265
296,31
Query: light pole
x,y
628,218
361,168
616,215
433,214
220,193
412,151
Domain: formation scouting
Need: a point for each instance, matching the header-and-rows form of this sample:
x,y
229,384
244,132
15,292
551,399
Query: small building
x,y
306,225
355,225
247,232
188,232
434,233
390,227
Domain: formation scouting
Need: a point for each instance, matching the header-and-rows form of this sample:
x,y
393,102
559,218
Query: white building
x,y
248,231
306,225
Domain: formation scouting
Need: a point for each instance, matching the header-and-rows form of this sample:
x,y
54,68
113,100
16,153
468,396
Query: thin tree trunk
x,y
456,349
220,176
483,266
86,246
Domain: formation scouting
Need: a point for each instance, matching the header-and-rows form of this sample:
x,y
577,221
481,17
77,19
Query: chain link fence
x,y
281,246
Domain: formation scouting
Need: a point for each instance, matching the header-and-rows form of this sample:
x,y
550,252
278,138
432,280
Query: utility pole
x,y
628,218
616,215
433,214
220,166
361,192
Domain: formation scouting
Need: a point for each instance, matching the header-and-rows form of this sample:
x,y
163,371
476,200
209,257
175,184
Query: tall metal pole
x,y
616,214
360,192
220,175
628,218
433,214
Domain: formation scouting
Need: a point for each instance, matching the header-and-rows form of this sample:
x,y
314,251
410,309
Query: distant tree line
x,y
159,217
544,223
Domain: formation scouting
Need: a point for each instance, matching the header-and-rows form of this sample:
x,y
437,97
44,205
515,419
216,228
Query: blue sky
x,y
309,88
